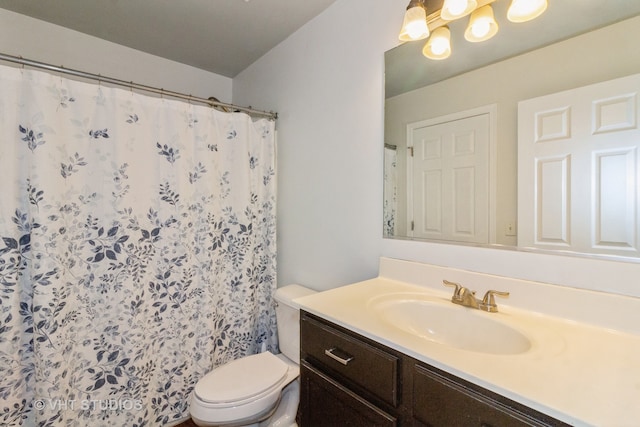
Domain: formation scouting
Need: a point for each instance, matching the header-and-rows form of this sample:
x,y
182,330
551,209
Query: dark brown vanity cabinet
x,y
350,380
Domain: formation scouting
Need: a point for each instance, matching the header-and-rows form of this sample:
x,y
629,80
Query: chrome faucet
x,y
467,298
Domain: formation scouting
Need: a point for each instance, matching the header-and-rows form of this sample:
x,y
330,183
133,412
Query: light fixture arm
x,y
414,3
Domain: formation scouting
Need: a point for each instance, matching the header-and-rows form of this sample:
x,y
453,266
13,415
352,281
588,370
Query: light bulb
x,y
482,25
439,45
415,30
480,28
525,10
454,9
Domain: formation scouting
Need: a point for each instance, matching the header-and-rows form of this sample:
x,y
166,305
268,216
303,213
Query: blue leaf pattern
x,y
197,173
31,137
124,275
99,133
67,169
171,154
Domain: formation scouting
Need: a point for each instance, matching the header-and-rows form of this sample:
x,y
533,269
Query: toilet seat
x,y
242,381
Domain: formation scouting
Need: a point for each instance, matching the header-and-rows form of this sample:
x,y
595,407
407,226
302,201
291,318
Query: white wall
x,y
43,42
326,82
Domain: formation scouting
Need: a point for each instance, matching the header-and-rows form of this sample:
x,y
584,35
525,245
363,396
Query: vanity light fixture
x,y
482,25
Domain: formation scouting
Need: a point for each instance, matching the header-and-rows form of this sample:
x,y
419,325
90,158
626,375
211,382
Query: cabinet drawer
x,y
374,371
325,402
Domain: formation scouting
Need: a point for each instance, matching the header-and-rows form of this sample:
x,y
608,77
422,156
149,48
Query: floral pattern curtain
x,y
137,250
390,205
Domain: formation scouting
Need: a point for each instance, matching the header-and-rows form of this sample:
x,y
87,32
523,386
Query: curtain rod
x,y
212,102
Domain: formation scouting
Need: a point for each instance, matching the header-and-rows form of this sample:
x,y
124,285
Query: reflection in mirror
x,y
578,168
421,92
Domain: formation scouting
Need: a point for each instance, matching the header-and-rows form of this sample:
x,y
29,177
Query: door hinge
x,y
412,226
410,151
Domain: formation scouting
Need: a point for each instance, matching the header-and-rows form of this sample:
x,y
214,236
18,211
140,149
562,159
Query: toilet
x,y
258,390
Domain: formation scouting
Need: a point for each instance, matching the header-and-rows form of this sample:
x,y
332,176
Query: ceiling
x,y
220,36
226,36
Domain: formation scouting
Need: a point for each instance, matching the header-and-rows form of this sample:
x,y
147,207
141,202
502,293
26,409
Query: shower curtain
x,y
137,250
390,203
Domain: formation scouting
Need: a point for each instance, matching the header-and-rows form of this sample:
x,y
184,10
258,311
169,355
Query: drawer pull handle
x,y
344,360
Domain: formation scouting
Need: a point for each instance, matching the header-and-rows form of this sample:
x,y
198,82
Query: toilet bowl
x,y
261,389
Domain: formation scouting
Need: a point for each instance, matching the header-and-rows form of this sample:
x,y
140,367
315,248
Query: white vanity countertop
x,y
582,374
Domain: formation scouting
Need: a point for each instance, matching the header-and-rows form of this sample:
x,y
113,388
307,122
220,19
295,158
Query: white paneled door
x,y
578,169
448,179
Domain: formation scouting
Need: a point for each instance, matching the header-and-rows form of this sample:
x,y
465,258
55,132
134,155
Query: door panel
x,y
578,169
449,180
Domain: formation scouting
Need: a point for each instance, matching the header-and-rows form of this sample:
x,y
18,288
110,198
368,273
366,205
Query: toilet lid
x,y
241,379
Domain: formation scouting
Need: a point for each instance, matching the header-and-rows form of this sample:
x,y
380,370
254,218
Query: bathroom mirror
x,y
574,43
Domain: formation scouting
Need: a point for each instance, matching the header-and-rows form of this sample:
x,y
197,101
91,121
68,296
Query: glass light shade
x,y
454,9
482,25
414,26
439,44
525,10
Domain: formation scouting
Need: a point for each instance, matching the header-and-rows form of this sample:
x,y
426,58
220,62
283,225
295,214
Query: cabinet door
x,y
441,402
326,403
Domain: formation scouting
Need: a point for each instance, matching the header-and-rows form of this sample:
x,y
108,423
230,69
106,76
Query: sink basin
x,y
446,323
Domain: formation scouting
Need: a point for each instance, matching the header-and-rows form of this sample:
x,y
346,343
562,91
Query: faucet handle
x,y
458,287
488,301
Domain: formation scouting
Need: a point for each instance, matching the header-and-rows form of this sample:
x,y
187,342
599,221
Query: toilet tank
x,y
288,319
